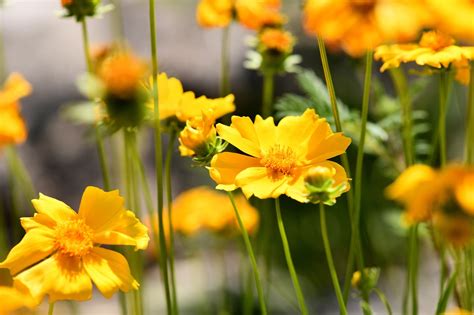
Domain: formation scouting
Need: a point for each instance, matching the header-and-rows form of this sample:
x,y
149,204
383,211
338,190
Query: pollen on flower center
x,y
73,238
280,160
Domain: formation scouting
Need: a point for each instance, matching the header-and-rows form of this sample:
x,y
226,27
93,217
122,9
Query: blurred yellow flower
x,y
464,191
457,230
198,134
257,14
214,13
458,311
276,39
463,71
435,49
12,125
60,253
454,17
15,298
174,102
202,208
276,158
357,26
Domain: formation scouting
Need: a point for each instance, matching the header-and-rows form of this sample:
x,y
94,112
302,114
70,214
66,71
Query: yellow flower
x,y
276,39
435,49
214,13
458,311
464,191
12,125
357,26
457,230
60,254
454,17
256,14
15,298
121,73
202,208
197,136
276,158
463,71
173,102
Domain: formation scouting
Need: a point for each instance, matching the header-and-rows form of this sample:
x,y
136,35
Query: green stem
x,y
3,70
158,159
289,260
384,301
413,271
98,136
169,198
225,67
345,164
51,308
332,269
401,86
268,87
470,120
355,237
253,261
443,102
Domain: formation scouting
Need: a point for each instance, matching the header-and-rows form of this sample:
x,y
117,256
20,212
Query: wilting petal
x,y
53,208
225,167
61,277
110,271
36,245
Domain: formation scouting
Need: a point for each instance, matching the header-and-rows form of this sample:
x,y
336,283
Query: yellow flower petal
x,y
39,220
255,181
61,277
225,167
15,87
36,245
266,132
53,208
109,271
297,129
240,134
99,208
13,299
325,145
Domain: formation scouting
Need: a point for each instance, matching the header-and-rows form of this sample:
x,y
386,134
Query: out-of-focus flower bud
x,y
368,281
80,8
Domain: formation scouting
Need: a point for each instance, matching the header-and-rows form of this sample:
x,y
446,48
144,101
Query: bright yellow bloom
x,y
214,13
12,126
435,49
121,73
60,254
454,17
202,208
15,298
174,102
197,135
276,158
464,191
276,39
357,26
256,14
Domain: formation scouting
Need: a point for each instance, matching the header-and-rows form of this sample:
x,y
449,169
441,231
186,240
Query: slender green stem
x,y
51,308
355,237
470,120
443,101
253,261
3,70
158,159
169,198
268,87
401,86
332,268
412,271
289,260
345,163
225,66
384,301
98,136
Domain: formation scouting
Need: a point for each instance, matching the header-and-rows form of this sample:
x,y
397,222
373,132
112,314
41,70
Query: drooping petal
x,y
53,208
225,167
36,245
61,277
109,271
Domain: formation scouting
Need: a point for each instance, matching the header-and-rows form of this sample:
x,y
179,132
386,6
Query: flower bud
x,y
322,186
368,281
80,8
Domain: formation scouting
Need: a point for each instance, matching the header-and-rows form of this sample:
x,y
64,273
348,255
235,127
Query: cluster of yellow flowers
x,y
444,198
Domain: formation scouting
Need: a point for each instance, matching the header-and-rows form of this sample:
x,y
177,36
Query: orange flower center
x,y
280,160
435,40
363,6
74,238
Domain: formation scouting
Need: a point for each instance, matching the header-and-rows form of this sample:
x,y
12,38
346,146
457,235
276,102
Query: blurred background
x,y
62,160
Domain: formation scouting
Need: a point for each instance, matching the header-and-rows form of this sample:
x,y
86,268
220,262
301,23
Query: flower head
x,y
60,254
276,39
454,17
357,26
434,49
276,158
257,14
214,13
80,8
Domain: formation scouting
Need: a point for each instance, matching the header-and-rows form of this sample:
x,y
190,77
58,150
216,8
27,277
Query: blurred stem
x,y
158,159
225,67
3,70
384,301
443,101
268,87
248,293
51,308
253,261
289,260
169,199
401,86
345,163
332,269
98,136
412,277
22,175
117,20
470,120
355,237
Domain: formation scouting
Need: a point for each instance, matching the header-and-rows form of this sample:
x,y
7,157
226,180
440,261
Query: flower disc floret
x,y
74,238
